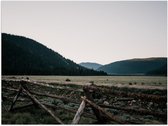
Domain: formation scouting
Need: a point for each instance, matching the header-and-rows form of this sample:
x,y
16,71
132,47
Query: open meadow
x,y
158,82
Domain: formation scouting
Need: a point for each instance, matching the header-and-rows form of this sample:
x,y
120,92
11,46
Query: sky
x,y
91,31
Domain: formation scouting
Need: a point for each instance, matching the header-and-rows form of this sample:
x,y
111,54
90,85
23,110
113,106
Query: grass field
x,y
130,81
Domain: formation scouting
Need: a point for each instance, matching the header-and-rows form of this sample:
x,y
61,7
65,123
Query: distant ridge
x,y
90,65
24,56
137,66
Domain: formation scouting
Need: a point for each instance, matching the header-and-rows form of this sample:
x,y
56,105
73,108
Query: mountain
x,y
24,56
90,65
146,66
159,71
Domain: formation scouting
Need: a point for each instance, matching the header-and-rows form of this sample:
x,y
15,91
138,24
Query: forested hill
x,y
24,56
146,66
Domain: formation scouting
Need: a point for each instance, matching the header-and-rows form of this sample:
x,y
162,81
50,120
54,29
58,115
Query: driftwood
x,y
15,98
79,113
42,106
107,114
138,111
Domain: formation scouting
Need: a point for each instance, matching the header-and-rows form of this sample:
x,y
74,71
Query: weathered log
x,y
45,85
89,90
42,106
79,113
107,114
138,111
10,89
145,97
18,100
8,93
15,98
55,96
142,96
124,99
85,114
47,95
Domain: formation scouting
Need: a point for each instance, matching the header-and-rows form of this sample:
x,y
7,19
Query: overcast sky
x,y
101,32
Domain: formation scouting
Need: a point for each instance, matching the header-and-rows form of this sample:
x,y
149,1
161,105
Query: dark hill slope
x,y
148,66
159,71
24,56
90,65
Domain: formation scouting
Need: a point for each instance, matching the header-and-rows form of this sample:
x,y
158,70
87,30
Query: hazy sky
x,y
101,32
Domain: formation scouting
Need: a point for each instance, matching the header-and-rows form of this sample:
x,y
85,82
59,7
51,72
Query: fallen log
x,y
145,97
79,113
45,85
85,114
11,89
107,114
55,96
42,106
19,99
89,91
47,95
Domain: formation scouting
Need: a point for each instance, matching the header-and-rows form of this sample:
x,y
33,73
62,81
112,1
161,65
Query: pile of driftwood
x,y
87,100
